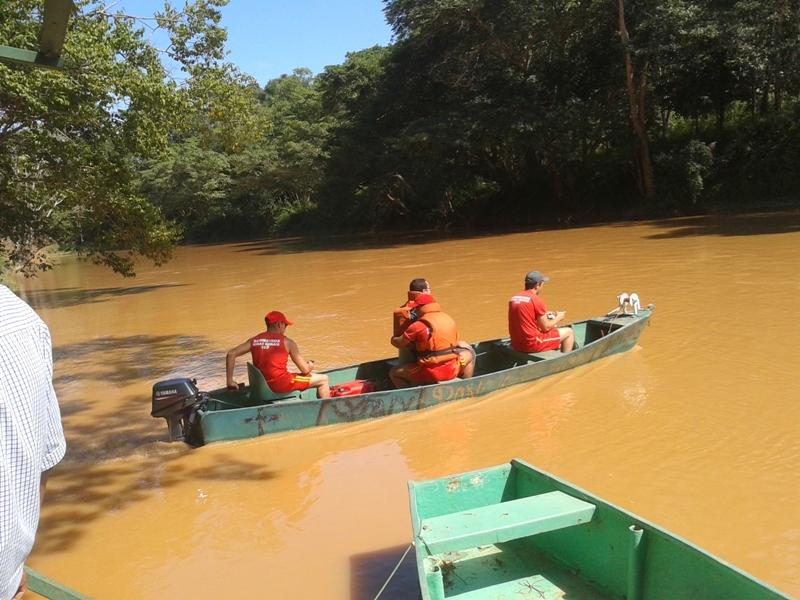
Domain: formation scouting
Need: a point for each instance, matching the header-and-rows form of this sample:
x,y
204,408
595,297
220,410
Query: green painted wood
x,y
547,354
29,57
48,588
465,491
526,357
504,521
616,555
55,17
260,392
491,572
495,369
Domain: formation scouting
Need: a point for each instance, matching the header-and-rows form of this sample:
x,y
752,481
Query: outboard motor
x,y
176,400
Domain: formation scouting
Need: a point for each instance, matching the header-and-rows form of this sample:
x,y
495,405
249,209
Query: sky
x,y
268,38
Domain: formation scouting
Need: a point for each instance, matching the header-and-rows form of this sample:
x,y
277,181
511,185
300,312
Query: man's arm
x,y
22,588
410,336
400,341
294,352
550,319
230,361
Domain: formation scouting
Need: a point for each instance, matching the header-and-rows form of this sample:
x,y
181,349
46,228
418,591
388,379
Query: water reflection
x,y
727,225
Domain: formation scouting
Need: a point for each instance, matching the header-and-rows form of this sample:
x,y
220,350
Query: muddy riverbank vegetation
x,y
479,114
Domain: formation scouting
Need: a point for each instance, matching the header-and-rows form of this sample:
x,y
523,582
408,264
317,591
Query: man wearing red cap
x,y
440,354
271,351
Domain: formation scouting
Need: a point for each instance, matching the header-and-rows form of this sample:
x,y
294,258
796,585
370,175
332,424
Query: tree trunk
x,y
778,40
636,107
722,99
665,115
555,182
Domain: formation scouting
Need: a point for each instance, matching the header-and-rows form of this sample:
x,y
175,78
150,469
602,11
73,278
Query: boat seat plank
x,y
527,356
504,521
548,354
260,392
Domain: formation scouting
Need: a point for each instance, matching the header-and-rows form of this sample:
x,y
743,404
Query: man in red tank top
x,y
270,352
531,326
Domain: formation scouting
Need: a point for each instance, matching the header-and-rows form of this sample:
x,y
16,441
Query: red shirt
x,y
417,334
524,310
269,354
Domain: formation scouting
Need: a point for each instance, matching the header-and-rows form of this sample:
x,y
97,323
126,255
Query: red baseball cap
x,y
424,299
276,316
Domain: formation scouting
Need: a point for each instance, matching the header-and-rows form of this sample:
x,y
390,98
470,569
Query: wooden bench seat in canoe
x,y
260,392
503,522
505,346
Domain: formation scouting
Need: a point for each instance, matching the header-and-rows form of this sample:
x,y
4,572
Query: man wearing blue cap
x,y
531,326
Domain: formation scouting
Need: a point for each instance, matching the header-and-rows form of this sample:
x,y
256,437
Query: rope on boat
x,y
397,566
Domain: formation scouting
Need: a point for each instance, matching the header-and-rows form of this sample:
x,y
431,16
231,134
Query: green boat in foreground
x,y
199,417
514,532
47,588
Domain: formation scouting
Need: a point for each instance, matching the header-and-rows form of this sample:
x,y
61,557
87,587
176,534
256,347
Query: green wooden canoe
x,y
513,532
254,410
47,588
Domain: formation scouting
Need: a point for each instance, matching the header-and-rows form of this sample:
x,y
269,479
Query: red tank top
x,y
269,354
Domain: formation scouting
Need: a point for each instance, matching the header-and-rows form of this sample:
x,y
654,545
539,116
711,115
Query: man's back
x,y
31,437
524,309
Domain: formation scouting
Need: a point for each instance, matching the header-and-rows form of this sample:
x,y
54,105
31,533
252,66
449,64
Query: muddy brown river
x,y
696,429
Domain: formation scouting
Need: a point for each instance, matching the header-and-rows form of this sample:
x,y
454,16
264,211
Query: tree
x,y
636,89
71,140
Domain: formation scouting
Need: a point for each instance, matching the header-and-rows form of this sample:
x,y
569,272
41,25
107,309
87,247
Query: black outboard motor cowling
x,y
176,400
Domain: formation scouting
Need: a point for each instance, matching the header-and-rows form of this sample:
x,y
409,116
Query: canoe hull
x,y
495,370
612,555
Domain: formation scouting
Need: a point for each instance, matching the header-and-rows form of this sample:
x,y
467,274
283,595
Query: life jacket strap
x,y
434,353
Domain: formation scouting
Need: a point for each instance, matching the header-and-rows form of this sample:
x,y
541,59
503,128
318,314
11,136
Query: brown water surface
x,y
696,429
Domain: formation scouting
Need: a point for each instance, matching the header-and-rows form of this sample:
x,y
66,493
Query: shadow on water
x,y
723,225
85,492
103,378
360,241
122,360
726,225
369,571
64,297
116,452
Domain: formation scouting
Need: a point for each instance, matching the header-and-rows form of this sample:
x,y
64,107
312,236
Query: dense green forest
x,y
481,113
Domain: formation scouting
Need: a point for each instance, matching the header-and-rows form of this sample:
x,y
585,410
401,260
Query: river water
x,y
696,429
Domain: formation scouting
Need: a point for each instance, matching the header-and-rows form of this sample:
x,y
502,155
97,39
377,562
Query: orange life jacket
x,y
443,340
401,318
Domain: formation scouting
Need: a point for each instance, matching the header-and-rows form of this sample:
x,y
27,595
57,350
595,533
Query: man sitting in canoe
x,y
531,326
440,354
403,316
271,351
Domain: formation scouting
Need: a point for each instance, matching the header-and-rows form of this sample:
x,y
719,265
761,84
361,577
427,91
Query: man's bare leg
x,y
399,376
320,381
468,368
567,338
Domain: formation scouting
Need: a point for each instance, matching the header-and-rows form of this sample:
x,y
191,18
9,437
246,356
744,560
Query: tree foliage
x,y
479,113
71,141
